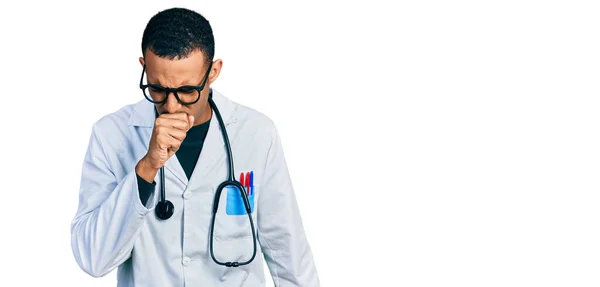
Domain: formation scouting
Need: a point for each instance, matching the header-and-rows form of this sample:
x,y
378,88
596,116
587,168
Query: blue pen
x,y
251,182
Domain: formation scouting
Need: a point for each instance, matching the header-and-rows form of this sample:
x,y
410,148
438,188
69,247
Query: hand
x,y
169,132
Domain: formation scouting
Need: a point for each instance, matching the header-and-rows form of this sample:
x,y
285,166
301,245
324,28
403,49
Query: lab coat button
x,y
186,261
187,194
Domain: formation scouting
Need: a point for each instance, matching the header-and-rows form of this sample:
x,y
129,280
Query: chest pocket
x,y
232,220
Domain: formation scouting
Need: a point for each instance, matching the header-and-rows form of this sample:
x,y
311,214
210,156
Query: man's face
x,y
180,72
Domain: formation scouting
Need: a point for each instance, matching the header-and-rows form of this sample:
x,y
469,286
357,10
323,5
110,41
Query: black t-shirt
x,y
187,155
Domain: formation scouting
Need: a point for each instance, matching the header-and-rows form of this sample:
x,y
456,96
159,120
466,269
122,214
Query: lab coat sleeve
x,y
110,213
280,230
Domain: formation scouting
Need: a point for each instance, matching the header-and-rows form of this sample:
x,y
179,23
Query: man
x,y
123,220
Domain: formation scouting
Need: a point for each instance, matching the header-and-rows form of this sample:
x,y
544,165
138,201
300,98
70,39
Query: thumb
x,y
191,121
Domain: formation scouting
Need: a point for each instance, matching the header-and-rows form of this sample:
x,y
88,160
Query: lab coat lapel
x,y
176,169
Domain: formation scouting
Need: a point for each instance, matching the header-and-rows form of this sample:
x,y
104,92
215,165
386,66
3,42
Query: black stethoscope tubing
x,y
164,208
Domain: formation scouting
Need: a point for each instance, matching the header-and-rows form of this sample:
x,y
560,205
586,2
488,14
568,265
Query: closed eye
x,y
184,90
155,89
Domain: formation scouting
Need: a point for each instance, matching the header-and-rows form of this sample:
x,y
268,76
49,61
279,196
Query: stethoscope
x,y
164,208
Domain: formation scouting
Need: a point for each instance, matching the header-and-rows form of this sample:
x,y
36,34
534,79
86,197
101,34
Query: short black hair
x,y
176,32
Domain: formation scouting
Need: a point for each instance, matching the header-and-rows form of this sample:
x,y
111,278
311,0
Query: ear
x,y
215,70
142,61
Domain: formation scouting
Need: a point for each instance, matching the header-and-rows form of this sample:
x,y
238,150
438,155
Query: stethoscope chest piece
x,y
164,209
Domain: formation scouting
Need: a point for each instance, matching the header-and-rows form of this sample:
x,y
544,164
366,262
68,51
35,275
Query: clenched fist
x,y
168,134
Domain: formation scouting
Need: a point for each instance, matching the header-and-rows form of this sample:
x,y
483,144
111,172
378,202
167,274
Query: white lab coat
x,y
113,229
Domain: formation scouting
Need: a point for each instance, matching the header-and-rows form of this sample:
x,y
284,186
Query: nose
x,y
172,105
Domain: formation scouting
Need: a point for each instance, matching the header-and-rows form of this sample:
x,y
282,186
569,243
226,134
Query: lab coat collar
x,y
143,111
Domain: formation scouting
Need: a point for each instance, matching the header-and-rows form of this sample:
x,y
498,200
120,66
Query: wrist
x,y
145,170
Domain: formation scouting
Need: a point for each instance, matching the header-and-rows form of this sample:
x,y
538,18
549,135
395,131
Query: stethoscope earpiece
x,y
164,209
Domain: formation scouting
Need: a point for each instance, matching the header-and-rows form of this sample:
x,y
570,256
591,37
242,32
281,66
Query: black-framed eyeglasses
x,y
186,95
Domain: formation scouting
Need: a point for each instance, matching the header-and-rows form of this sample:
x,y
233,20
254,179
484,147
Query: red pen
x,y
242,181
247,183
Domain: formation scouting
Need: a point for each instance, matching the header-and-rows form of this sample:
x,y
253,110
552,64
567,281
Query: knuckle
x,y
161,140
162,146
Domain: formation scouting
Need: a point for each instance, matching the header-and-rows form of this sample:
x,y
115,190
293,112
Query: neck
x,y
205,116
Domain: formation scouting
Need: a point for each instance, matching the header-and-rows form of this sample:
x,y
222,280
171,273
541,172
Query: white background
x,y
434,143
